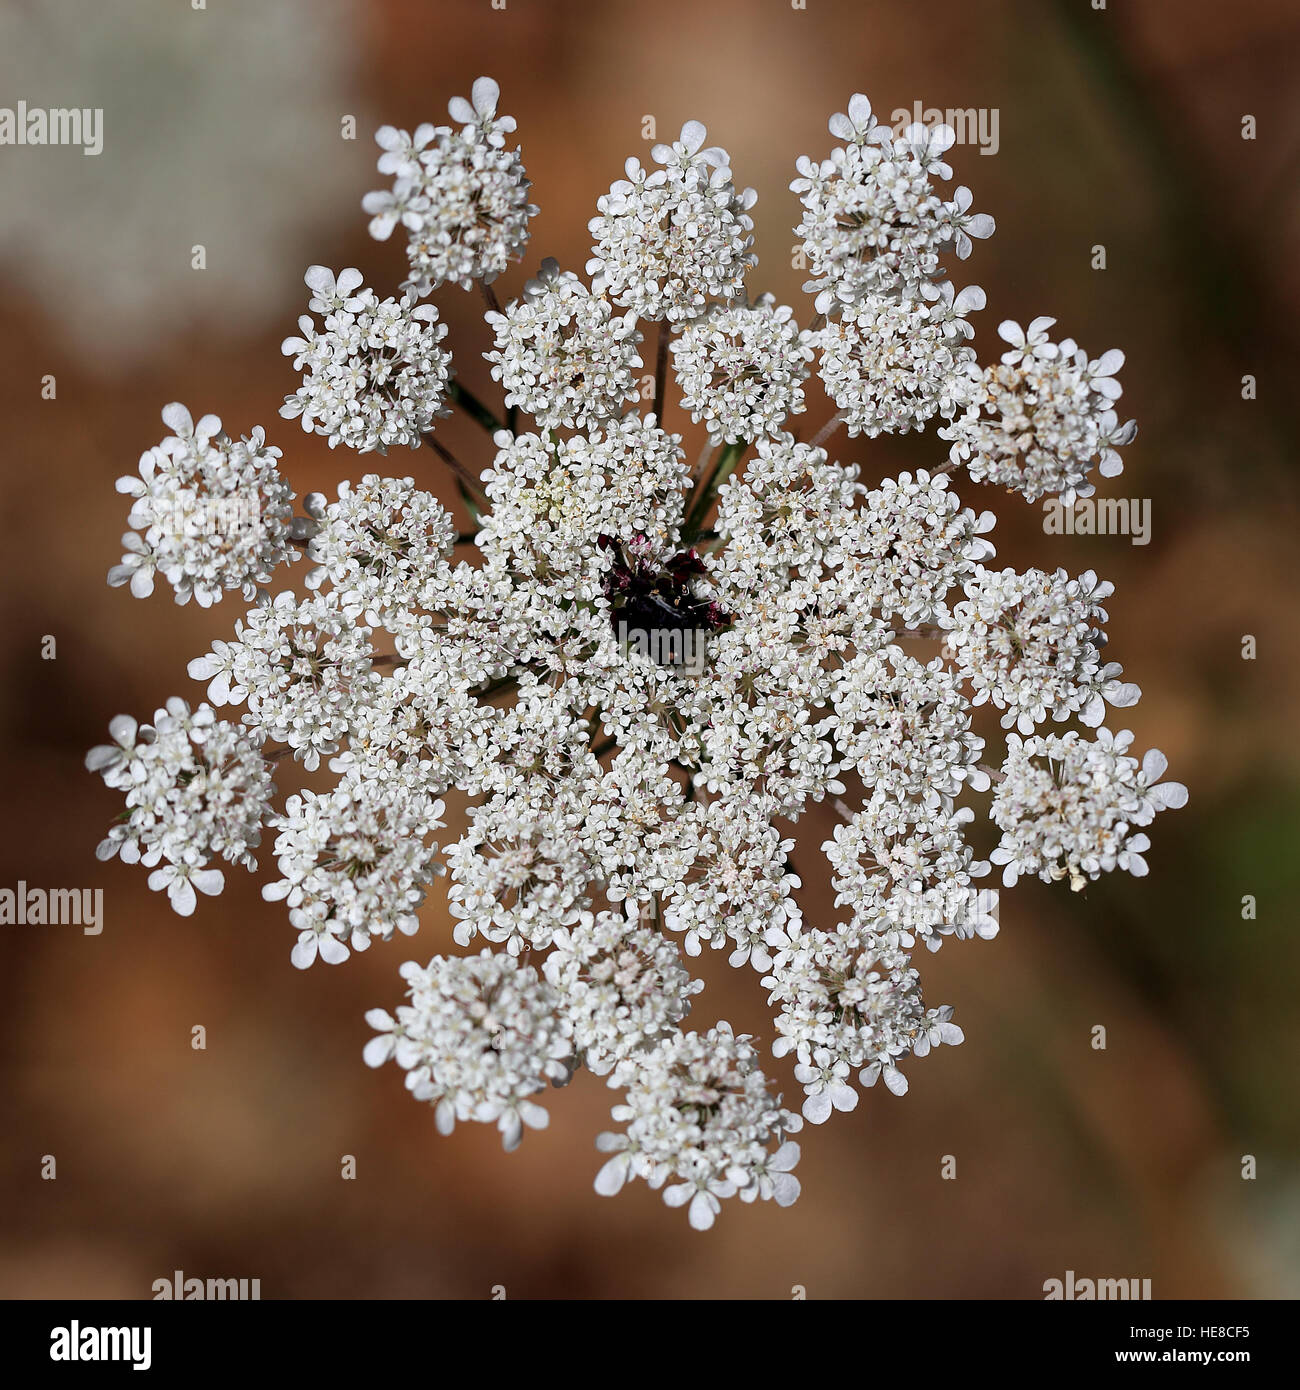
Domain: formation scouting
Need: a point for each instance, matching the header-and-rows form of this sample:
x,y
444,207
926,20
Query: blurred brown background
x,y
1119,127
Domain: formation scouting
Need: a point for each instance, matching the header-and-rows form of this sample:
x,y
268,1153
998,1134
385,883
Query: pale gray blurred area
x,y
222,127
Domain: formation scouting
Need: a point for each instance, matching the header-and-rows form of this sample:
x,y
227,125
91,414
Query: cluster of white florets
x,y
623,985
460,195
552,500
741,369
643,674
907,871
1032,643
1067,806
562,355
376,375
671,241
1041,420
480,1037
846,1001
698,1116
197,789
894,359
355,866
872,219
210,513
302,667
900,552
378,545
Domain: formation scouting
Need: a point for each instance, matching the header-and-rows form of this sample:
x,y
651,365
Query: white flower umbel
x,y
645,675
737,888
1032,642
902,551
376,373
906,870
1042,420
553,499
460,195
741,369
846,1001
480,1037
872,220
905,727
379,543
519,873
896,358
1067,806
210,513
302,666
671,241
197,788
700,1119
355,866
787,510
621,983
562,354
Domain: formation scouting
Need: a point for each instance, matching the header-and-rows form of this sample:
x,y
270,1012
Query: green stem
x,y
465,480
473,407
471,501
708,490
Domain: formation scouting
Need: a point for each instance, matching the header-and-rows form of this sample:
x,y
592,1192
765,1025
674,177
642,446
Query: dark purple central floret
x,y
646,593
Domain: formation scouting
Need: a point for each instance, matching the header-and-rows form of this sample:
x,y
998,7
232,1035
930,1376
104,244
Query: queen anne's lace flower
x,y
303,667
699,1118
562,354
891,841
1067,806
461,196
210,513
741,369
896,358
423,727
378,543
644,674
632,830
847,1001
355,866
552,500
906,870
197,788
479,1038
737,887
671,241
519,873
621,983
1041,420
901,553
787,509
376,375
903,725
872,220
1032,644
